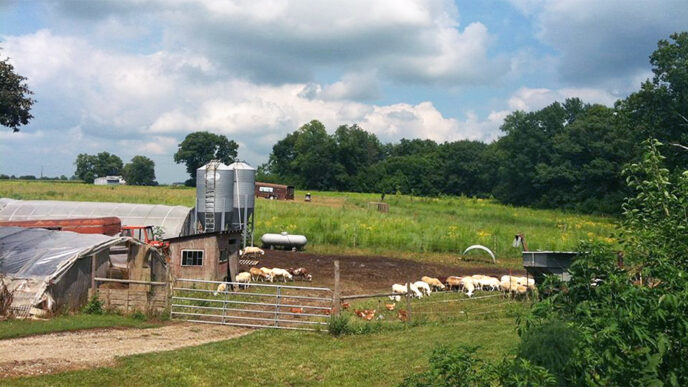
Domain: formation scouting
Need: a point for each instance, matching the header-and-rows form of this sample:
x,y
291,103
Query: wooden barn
x,y
209,256
274,191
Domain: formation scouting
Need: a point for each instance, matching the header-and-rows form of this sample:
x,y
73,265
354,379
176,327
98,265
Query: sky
x,y
134,77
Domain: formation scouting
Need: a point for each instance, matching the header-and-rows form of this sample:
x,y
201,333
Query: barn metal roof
x,y
173,219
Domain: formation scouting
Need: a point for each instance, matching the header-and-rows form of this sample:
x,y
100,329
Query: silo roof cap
x,y
240,165
220,166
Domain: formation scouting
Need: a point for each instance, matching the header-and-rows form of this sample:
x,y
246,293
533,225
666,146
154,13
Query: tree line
x,y
139,171
567,155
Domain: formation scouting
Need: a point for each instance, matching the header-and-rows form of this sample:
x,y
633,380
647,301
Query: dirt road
x,y
58,352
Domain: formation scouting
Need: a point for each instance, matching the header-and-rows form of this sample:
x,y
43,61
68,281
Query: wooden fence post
x,y
336,299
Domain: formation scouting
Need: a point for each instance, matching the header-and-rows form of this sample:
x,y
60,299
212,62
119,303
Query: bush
x,y
459,366
520,372
339,325
94,306
550,345
139,316
456,366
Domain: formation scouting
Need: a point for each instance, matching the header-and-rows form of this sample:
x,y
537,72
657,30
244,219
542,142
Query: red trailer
x,y
108,225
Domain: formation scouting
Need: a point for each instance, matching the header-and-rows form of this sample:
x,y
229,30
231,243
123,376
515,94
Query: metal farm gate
x,y
255,305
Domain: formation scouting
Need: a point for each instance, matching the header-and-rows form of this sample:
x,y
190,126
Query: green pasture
x,y
420,228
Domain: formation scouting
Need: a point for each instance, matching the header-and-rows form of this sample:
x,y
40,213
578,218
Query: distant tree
x,y
660,108
15,98
140,171
466,168
316,161
27,177
63,177
199,148
88,167
281,162
357,150
526,145
4,177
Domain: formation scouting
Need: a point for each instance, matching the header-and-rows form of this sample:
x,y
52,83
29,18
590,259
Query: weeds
x,y
94,306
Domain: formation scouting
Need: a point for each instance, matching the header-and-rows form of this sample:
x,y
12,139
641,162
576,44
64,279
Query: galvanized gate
x,y
255,304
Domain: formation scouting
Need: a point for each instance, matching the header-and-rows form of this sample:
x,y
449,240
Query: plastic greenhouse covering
x,y
44,254
33,258
173,219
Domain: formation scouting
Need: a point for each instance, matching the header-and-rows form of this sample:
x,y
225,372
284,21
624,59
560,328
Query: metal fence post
x,y
277,306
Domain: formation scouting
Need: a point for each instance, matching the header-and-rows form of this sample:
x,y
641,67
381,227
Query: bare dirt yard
x,y
59,352
360,274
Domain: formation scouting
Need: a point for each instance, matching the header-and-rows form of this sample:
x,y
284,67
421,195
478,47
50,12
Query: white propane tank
x,y
283,239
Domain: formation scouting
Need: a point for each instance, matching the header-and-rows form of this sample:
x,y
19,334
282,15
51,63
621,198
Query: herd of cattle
x,y
469,284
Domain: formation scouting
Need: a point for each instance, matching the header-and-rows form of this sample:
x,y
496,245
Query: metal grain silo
x,y
214,197
244,200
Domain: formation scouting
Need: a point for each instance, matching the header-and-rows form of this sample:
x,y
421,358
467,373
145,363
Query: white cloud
x,y
604,43
528,99
290,41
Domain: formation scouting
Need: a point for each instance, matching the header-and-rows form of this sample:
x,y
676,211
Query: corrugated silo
x,y
214,197
244,200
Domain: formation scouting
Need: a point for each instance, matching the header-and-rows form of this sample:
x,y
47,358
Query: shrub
x,y
338,325
457,366
520,372
550,345
138,316
94,306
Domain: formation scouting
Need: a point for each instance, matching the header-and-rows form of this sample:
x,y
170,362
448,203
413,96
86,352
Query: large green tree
x,y
357,150
15,98
316,162
140,171
660,108
467,168
88,167
199,148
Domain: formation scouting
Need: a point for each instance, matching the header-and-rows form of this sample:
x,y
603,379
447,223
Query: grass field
x,y
20,328
432,229
295,358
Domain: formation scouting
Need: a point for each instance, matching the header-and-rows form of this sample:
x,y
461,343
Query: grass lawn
x,y
294,358
20,328
424,229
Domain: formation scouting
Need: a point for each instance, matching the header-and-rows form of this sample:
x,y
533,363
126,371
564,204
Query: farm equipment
x,y
144,234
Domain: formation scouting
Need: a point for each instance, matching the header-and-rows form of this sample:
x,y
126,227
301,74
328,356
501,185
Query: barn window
x,y
224,255
192,257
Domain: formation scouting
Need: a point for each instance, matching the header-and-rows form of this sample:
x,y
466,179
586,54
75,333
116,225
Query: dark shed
x,y
274,191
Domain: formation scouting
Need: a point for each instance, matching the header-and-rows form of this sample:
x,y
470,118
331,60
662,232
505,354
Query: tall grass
x,y
424,228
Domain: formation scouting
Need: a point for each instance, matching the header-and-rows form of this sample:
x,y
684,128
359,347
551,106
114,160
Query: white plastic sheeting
x,y
173,219
33,259
43,254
